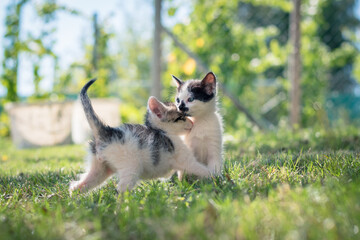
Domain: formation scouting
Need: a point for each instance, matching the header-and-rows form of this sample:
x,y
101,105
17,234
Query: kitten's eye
x,y
190,99
177,100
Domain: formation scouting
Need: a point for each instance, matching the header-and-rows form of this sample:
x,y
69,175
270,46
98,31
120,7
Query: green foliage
x,y
130,113
284,5
134,77
12,48
48,10
266,193
314,78
4,125
307,139
43,44
243,64
245,44
357,68
36,47
98,62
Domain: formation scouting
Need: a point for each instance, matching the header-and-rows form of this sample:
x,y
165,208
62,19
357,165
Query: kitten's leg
x,y
214,166
214,160
197,168
127,180
126,170
180,175
187,162
96,175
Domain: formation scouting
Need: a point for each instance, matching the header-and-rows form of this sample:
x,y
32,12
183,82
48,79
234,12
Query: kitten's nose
x,y
182,107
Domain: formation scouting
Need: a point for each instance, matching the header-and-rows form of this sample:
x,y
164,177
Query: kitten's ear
x,y
156,107
177,81
209,83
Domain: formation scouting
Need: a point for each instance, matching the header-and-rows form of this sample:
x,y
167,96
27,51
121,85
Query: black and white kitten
x,y
197,98
135,151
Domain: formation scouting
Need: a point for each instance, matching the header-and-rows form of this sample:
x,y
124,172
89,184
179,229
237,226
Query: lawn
x,y
273,192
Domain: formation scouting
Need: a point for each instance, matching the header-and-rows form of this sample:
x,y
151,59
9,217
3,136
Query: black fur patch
x,y
92,146
109,134
153,138
179,82
106,135
199,92
182,107
160,141
140,132
146,119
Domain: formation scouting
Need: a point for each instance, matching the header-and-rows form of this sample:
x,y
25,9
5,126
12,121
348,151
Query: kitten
x,y
135,151
197,98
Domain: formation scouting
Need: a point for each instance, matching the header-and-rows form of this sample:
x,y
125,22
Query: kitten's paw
x,y
75,186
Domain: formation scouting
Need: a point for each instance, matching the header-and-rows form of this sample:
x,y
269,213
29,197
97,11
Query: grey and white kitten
x,y
135,151
197,98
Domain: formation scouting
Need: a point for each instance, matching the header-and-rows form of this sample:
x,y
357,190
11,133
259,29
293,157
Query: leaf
x,y
189,66
172,11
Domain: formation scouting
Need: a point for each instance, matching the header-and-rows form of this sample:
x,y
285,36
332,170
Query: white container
x,y
57,123
40,124
106,109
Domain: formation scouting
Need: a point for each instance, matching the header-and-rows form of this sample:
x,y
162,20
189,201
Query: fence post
x,y
294,67
156,59
96,43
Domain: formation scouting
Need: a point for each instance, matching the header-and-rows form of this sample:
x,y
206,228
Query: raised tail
x,y
95,123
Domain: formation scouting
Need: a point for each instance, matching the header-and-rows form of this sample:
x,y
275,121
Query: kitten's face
x,y
196,97
166,116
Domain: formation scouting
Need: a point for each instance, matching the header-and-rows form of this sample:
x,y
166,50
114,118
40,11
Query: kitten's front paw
x,y
74,186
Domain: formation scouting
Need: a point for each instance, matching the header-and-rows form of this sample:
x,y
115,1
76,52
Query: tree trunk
x,y
295,65
96,43
156,59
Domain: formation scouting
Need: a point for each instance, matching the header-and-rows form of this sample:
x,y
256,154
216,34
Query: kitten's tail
x,y
95,123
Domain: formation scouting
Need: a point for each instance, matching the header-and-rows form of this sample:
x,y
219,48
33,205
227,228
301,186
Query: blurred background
x,y
286,69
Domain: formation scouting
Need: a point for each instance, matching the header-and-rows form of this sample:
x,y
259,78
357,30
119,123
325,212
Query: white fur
x,y
205,138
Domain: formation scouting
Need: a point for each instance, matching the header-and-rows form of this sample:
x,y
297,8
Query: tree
x,y
36,46
334,18
231,49
98,62
12,48
246,44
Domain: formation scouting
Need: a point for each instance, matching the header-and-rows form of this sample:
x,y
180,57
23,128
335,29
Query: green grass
x,y
269,193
